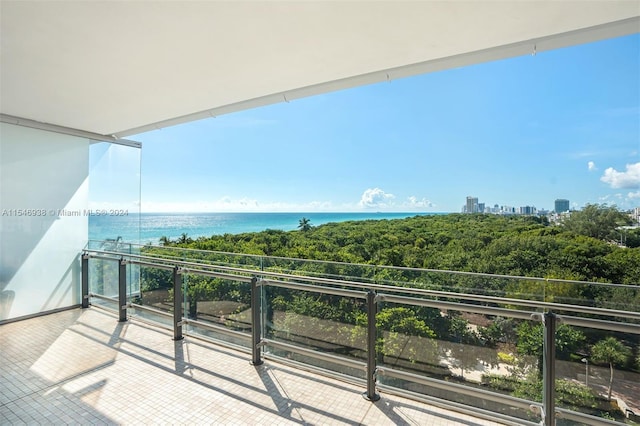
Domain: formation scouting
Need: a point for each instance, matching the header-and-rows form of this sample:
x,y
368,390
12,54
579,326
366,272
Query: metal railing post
x,y
122,290
85,280
177,304
549,369
256,323
372,335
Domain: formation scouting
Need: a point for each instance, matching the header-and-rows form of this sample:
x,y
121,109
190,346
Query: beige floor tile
x,y
82,366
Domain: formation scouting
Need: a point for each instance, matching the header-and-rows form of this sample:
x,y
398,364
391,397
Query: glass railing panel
x,y
133,273
571,293
406,339
462,283
157,252
203,257
479,352
153,296
623,297
598,373
223,259
95,245
103,281
619,297
320,269
412,278
223,303
105,278
470,330
326,324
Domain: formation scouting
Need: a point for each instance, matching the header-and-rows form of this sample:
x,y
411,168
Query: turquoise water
x,y
149,227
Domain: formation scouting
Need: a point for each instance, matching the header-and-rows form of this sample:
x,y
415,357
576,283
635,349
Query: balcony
x,y
416,343
85,367
329,343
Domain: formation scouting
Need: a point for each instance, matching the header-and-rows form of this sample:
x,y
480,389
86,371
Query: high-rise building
x,y
561,205
528,210
472,205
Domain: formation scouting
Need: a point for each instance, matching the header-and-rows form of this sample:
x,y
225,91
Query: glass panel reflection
x,y
224,303
482,352
114,192
329,324
597,374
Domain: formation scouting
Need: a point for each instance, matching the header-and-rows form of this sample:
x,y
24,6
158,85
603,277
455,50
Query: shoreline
x,y
146,228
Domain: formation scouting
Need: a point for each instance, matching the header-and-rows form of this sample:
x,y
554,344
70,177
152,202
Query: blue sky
x,y
522,131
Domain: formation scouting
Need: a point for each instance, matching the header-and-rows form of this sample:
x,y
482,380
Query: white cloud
x,y
621,200
414,202
376,197
592,166
627,179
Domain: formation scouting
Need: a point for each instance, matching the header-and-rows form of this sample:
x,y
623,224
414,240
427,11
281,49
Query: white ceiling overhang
x,y
123,67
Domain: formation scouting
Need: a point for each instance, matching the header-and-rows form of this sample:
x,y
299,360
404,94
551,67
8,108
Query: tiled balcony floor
x,y
83,367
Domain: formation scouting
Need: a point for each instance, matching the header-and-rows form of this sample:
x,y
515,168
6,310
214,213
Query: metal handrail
x,y
462,408
315,289
243,278
631,315
600,324
175,262
584,419
400,268
465,390
149,309
513,313
466,296
149,264
373,293
103,297
217,328
314,354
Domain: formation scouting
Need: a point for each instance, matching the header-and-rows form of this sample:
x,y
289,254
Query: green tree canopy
x,y
511,245
597,221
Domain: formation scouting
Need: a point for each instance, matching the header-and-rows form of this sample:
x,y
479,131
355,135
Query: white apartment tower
x,y
472,205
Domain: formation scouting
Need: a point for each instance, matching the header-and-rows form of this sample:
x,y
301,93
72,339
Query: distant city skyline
x,y
561,205
527,130
473,205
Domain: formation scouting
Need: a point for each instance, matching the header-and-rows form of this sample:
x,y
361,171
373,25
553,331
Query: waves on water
x,y
149,227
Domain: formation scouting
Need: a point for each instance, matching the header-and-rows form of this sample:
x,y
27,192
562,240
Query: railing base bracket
x,y
375,397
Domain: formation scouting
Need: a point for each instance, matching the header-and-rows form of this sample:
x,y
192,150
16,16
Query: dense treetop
x,y
582,249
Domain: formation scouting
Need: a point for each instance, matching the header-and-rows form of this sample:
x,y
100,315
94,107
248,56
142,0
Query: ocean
x,y
149,227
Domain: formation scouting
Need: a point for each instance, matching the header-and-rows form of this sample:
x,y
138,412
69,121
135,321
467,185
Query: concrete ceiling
x,y
123,67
